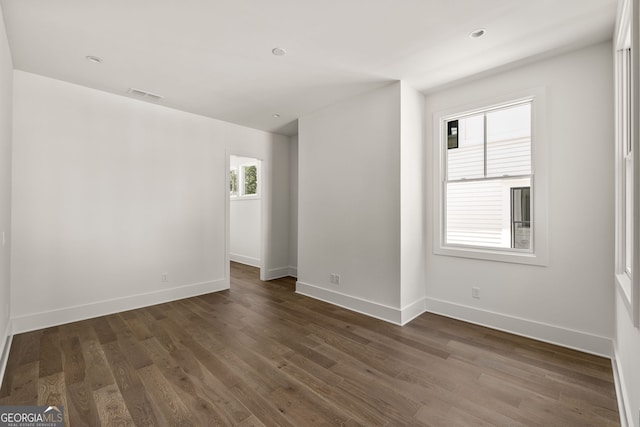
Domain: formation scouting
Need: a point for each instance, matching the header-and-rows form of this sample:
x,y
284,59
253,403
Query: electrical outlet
x,y
334,278
164,277
475,293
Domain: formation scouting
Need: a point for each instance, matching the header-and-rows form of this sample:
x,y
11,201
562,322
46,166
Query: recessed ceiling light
x,y
275,115
278,51
477,33
94,59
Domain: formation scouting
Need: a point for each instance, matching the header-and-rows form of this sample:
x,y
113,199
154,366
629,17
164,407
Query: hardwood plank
x,y
98,372
130,386
52,392
50,348
164,399
81,406
112,410
24,386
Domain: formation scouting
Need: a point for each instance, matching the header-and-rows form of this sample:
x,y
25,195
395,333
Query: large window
x,y
626,158
488,188
488,157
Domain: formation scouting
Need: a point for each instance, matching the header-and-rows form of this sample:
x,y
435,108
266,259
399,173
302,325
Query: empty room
x,y
338,213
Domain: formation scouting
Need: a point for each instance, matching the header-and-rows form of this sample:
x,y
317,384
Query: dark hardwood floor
x,y
258,354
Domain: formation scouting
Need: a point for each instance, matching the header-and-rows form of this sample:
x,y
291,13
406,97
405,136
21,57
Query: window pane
x,y
233,182
467,160
250,180
479,213
509,141
521,218
474,214
628,213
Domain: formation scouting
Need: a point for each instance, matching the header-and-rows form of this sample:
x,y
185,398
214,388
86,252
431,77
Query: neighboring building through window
x,y
487,178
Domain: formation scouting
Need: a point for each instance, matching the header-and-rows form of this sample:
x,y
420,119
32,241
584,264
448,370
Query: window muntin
x,y
491,158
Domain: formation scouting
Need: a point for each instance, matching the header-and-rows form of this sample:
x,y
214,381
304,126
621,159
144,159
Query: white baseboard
x,y
6,338
253,262
577,340
276,273
31,322
626,417
413,310
369,308
293,271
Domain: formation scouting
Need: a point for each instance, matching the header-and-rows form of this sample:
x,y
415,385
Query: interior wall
x,y
627,349
413,203
293,209
245,218
6,95
279,207
570,301
349,202
110,193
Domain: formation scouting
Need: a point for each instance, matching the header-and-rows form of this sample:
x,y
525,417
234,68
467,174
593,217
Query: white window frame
x,y
538,255
626,157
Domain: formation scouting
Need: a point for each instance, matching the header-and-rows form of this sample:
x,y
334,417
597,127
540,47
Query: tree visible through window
x,y
487,178
250,179
233,182
244,178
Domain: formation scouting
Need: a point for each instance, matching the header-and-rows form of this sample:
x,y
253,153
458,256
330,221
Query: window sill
x,y
492,255
242,198
624,286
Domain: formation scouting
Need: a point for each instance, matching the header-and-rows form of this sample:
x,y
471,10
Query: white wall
x,y
110,192
570,301
278,205
627,354
293,207
349,202
6,94
245,220
413,203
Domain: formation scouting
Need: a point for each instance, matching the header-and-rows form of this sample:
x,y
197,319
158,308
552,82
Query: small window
x,y
244,177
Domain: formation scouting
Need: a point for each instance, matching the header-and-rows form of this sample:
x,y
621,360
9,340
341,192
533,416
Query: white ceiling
x,y
213,57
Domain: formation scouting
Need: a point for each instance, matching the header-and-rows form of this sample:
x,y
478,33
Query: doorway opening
x,y
246,195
